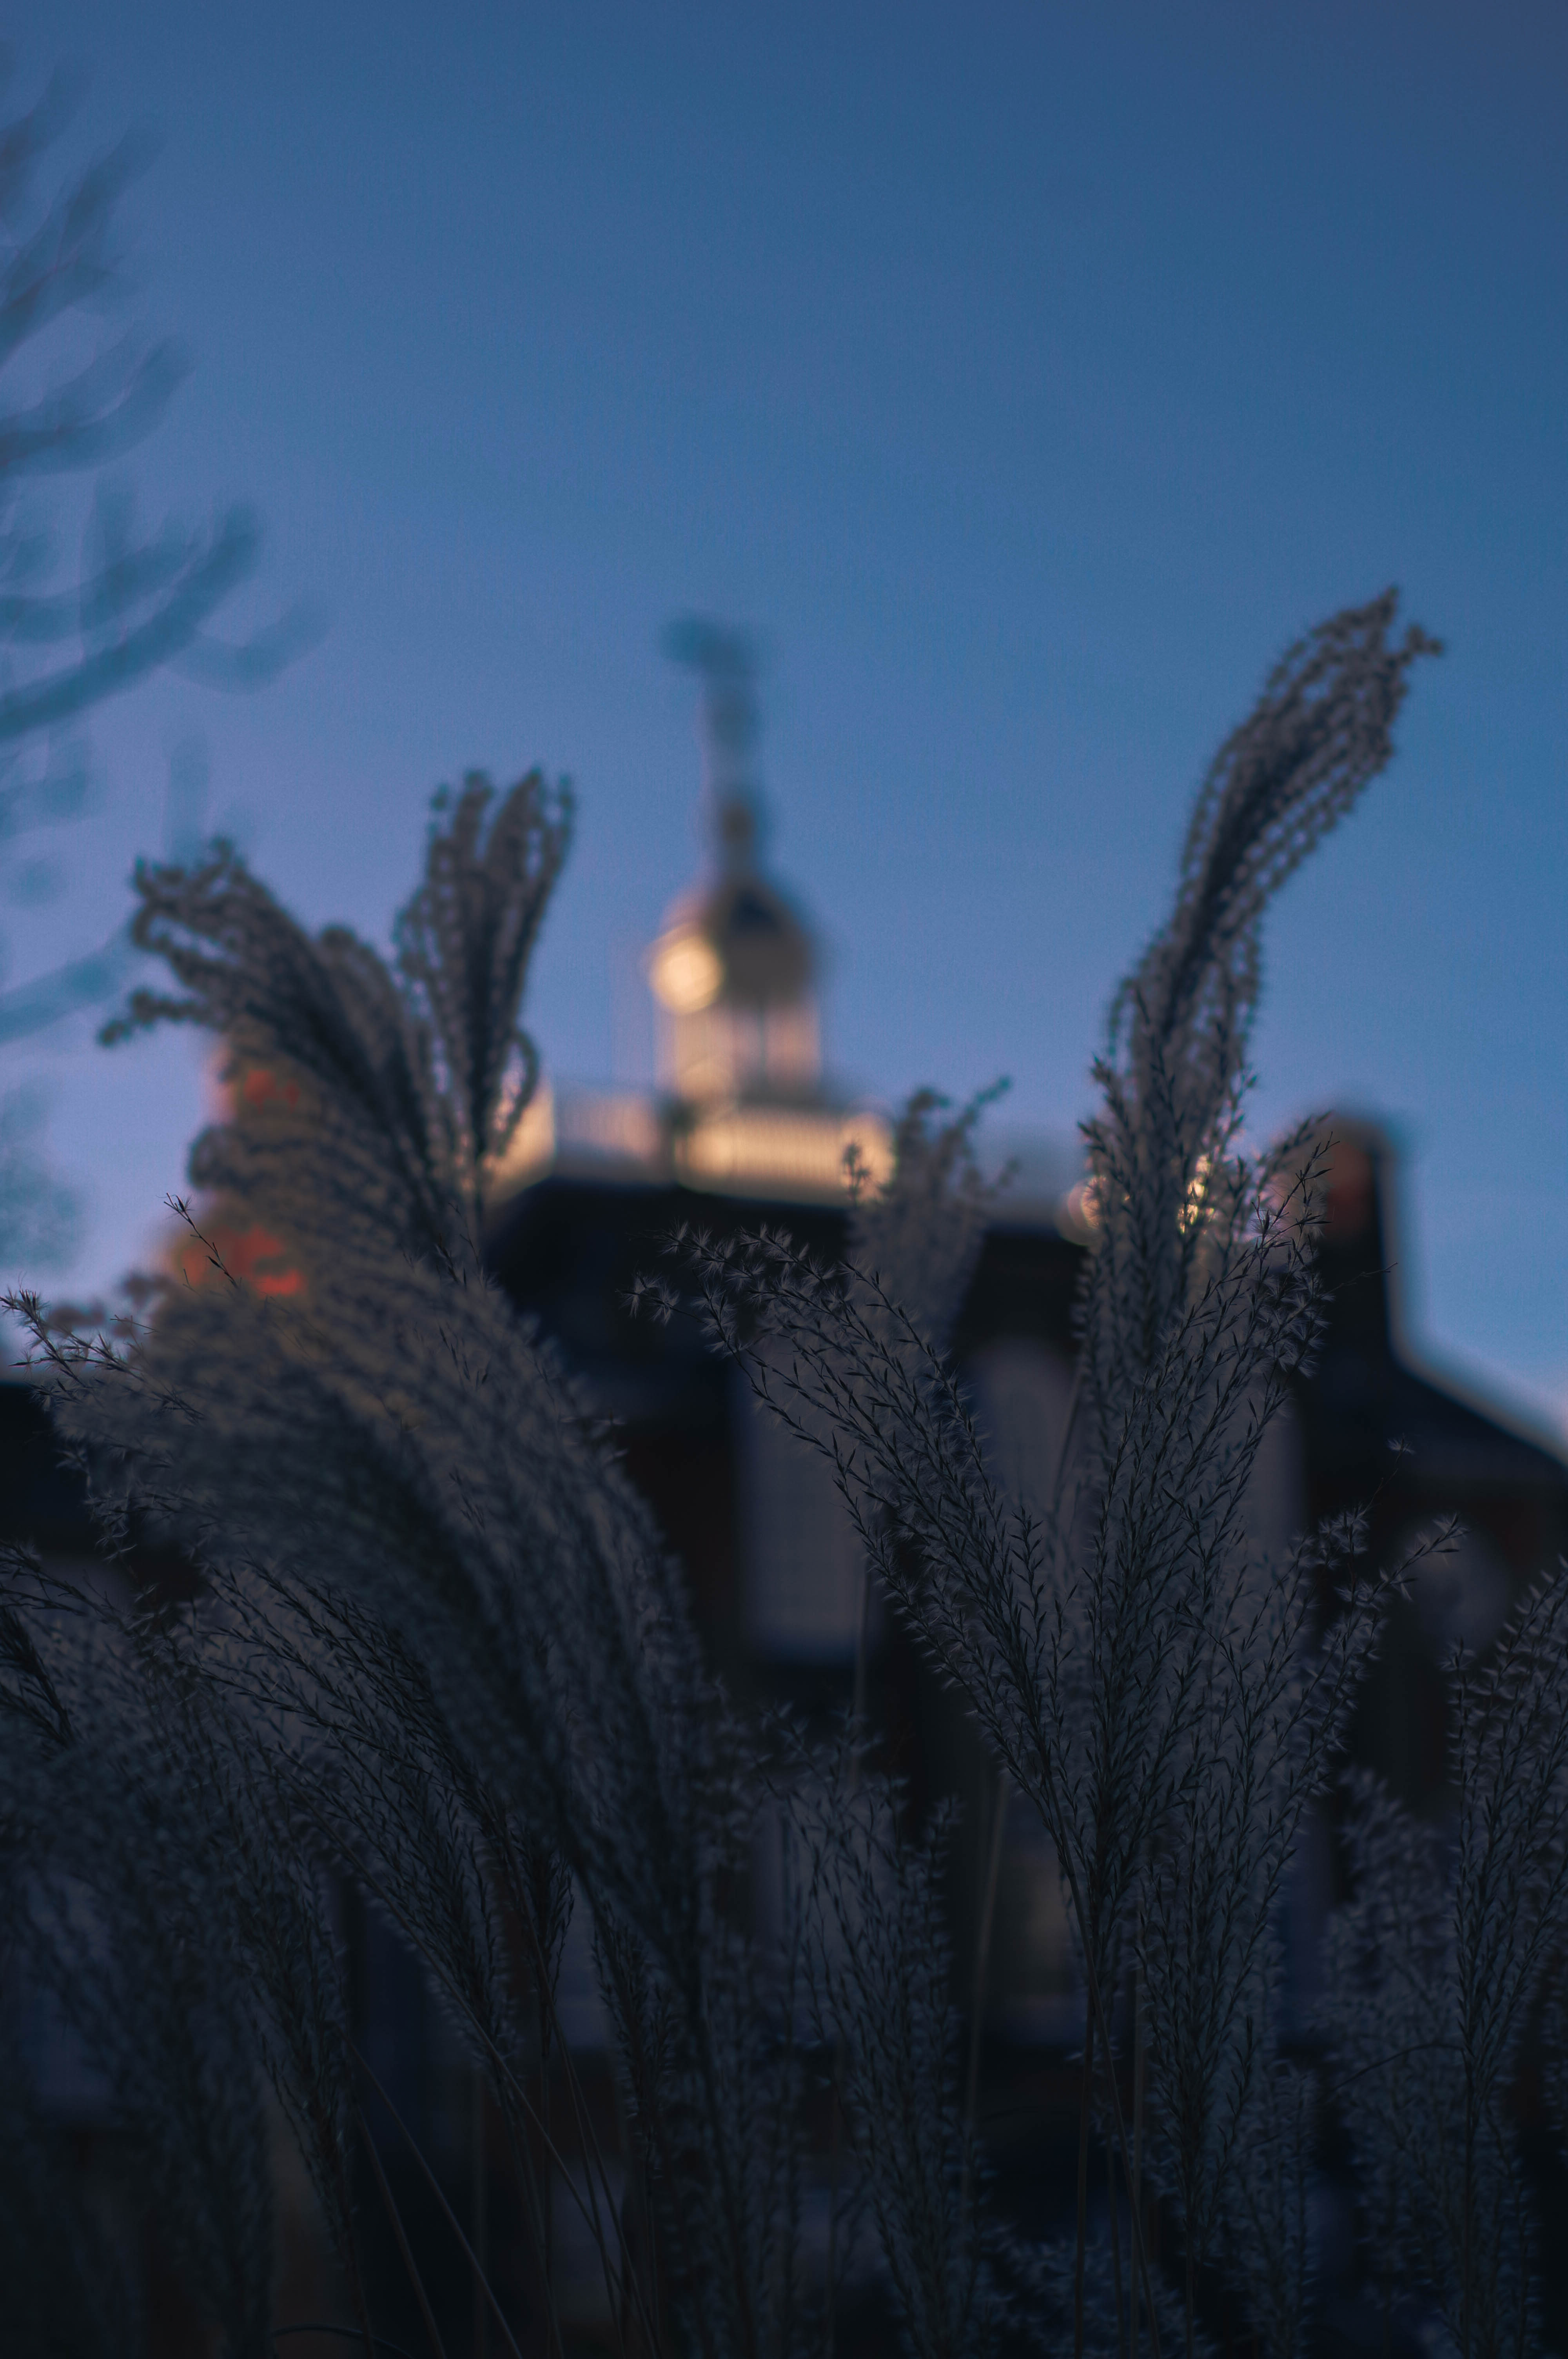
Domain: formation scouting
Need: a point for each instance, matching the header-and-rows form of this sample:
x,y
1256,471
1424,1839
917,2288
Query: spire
x,y
726,664
734,966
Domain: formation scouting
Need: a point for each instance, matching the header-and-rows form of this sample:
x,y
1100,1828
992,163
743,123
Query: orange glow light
x,y
252,1256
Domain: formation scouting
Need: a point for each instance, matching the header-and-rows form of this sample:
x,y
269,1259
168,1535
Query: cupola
x,y
734,969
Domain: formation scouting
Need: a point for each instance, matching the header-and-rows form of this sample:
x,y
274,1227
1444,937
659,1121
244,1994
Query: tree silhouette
x,y
77,629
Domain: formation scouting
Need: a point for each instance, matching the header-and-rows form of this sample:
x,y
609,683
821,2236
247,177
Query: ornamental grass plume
x,y
457,1656
121,1909
437,1653
1137,1673
1436,1967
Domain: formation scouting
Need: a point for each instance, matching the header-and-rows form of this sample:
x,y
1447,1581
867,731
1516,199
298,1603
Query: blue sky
x,y
1025,378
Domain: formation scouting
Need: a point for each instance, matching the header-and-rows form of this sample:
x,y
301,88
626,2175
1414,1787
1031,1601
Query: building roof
x,y
794,1153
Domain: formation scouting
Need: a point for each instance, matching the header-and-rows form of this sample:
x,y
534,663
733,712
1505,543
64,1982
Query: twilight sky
x,y
1025,378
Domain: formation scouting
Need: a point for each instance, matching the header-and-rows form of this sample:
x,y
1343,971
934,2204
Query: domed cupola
x,y
734,969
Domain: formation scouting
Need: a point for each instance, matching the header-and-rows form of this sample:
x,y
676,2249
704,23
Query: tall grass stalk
x,y
437,1652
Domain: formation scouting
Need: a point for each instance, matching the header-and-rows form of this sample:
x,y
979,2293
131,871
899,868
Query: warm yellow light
x,y
1197,1207
790,1151
1080,1210
531,1148
685,973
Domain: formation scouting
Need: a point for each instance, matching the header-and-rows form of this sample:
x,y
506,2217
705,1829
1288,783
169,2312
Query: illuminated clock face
x,y
685,973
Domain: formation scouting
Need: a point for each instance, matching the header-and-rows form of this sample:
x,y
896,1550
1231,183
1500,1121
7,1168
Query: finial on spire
x,y
726,663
